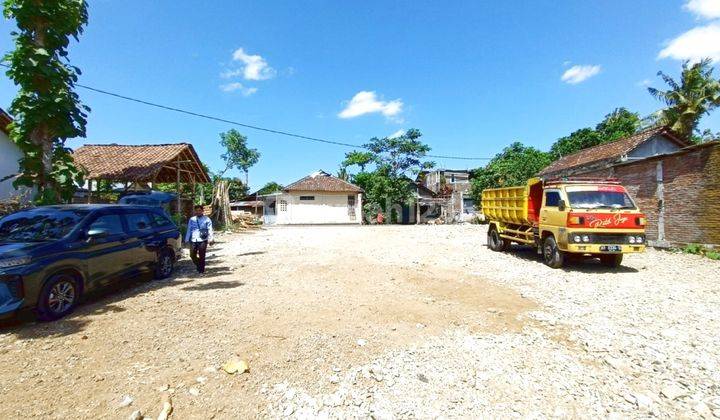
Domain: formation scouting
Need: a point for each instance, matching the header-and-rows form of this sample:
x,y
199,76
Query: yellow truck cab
x,y
582,216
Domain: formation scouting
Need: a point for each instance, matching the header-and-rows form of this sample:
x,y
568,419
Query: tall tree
x,y
237,153
695,95
513,166
47,111
393,161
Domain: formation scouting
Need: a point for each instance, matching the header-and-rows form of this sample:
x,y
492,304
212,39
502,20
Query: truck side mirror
x,y
561,205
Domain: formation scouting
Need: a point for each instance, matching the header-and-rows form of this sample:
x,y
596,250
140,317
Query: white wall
x,y
326,208
9,156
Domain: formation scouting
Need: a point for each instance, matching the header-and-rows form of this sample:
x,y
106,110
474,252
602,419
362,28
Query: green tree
x,y
47,111
237,153
237,189
617,124
270,188
393,160
577,140
695,95
513,166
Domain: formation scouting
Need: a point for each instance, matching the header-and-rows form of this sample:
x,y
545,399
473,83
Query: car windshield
x,y
600,199
39,226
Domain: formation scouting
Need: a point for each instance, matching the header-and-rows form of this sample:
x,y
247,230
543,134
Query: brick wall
x,y
692,196
691,184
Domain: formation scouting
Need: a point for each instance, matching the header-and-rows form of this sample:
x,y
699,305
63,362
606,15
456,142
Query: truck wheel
x,y
613,260
58,297
495,242
553,256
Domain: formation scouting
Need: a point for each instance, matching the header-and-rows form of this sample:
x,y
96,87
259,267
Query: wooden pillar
x,y
192,177
177,188
89,194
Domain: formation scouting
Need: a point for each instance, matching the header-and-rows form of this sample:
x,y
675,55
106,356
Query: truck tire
x,y
495,242
613,260
552,255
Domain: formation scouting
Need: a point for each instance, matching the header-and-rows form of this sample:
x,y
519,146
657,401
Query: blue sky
x,y
473,76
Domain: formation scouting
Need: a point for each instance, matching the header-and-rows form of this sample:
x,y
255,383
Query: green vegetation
x,y
46,109
237,153
688,101
698,249
617,124
513,166
384,169
270,188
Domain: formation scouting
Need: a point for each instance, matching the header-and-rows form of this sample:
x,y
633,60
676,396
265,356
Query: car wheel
x,y
552,255
613,260
58,297
165,264
495,242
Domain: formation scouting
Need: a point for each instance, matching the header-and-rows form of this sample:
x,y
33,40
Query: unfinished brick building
x,y
677,185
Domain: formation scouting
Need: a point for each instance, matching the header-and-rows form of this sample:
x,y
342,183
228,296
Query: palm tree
x,y
696,95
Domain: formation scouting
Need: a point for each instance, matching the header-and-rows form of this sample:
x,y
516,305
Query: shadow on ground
x,y
26,326
572,263
215,285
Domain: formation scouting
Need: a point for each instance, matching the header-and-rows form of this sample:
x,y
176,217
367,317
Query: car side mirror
x,y
561,205
94,234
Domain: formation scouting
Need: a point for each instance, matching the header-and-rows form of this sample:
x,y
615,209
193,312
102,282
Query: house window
x,y
283,205
307,198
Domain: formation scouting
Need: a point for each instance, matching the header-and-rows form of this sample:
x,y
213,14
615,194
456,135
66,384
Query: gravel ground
x,y
383,322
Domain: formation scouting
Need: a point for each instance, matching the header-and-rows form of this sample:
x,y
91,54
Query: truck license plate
x,y
611,248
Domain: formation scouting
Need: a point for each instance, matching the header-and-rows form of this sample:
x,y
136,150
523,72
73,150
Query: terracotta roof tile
x,y
322,181
608,151
144,163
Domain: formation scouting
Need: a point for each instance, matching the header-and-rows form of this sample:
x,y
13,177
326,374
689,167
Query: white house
x,y
9,156
319,198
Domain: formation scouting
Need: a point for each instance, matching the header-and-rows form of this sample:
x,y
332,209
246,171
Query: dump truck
x,y
561,218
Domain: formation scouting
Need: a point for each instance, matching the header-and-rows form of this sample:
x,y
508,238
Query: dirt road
x,y
396,321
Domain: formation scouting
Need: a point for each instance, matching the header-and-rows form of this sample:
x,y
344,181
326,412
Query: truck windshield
x,y
600,199
39,226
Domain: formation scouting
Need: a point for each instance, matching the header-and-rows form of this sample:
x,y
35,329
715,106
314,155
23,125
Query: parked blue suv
x,y
50,256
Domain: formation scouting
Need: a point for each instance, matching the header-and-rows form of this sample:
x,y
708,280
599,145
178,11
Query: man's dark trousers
x,y
197,254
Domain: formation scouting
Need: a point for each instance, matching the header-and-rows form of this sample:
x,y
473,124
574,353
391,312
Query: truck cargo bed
x,y
516,205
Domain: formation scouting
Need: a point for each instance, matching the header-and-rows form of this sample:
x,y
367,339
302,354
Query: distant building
x,y
454,186
676,184
10,154
318,198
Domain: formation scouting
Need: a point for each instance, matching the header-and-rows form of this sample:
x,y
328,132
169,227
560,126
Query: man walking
x,y
199,234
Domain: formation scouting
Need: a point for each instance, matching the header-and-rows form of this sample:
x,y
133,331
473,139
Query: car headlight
x,y
586,238
631,239
13,262
639,239
577,238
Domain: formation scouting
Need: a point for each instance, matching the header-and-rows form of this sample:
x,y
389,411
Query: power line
x,y
253,127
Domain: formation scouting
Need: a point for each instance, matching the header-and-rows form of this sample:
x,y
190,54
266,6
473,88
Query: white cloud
x,y
367,102
396,134
237,86
695,44
644,83
708,9
577,74
254,67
